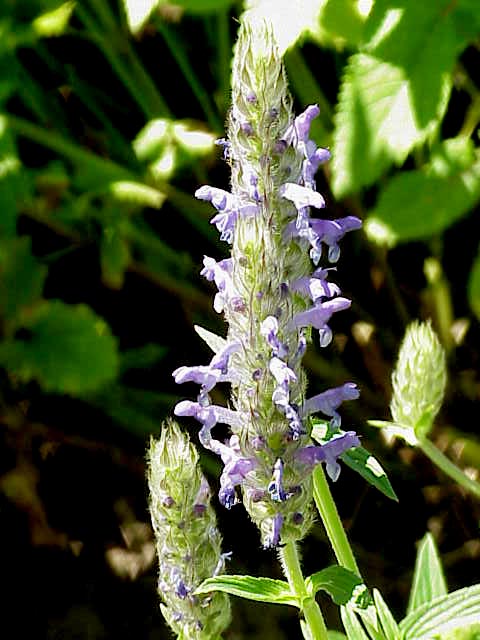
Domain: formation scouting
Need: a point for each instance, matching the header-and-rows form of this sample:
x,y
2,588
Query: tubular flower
x,y
270,294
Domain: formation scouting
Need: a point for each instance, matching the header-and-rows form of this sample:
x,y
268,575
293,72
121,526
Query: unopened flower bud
x,y
187,539
418,379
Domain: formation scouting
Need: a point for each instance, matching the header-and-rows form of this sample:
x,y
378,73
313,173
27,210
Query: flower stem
x,y
448,467
309,607
331,521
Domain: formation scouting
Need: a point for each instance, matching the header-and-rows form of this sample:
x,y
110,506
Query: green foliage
x,y
474,287
66,349
259,589
428,579
342,586
389,626
458,610
358,459
395,92
446,188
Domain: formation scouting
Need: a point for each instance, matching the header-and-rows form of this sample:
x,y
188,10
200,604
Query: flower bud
x,y
418,379
187,539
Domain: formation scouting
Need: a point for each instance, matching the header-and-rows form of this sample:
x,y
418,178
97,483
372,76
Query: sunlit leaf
x,y
216,343
390,627
395,92
55,21
65,348
457,610
259,589
428,579
361,461
137,12
352,626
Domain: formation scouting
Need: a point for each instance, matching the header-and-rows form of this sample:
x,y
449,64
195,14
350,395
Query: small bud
x,y
187,540
419,379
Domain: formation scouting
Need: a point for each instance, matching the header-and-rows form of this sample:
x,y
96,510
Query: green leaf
x,y
417,204
428,579
21,278
457,610
53,22
336,635
68,349
259,589
137,12
341,584
390,627
342,22
395,93
361,461
474,287
352,626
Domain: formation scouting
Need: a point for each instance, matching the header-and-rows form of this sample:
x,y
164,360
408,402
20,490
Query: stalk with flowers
x,y
273,290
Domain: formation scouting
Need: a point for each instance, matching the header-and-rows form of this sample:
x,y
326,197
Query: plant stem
x,y
309,607
331,521
448,467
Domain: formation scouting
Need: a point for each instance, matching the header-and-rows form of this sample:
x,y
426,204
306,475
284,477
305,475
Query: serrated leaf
x,y
375,124
251,588
394,94
21,278
361,461
390,627
428,578
137,12
341,584
216,343
474,287
417,204
68,349
457,610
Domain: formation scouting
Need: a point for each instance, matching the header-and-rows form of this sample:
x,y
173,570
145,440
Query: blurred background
x,y
109,110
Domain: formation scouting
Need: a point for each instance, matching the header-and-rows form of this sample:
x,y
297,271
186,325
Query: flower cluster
x,y
187,539
271,296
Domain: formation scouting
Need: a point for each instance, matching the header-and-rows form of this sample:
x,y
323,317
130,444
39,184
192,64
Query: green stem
x,y
331,521
309,607
448,467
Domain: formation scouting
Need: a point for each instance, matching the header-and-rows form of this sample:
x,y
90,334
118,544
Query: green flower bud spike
x,y
187,539
419,380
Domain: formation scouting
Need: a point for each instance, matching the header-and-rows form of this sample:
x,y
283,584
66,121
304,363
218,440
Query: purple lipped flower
x,y
273,537
328,401
320,314
328,452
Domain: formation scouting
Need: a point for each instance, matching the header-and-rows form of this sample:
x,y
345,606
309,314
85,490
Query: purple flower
x,y
329,401
220,273
273,538
330,232
320,314
315,286
208,415
328,452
